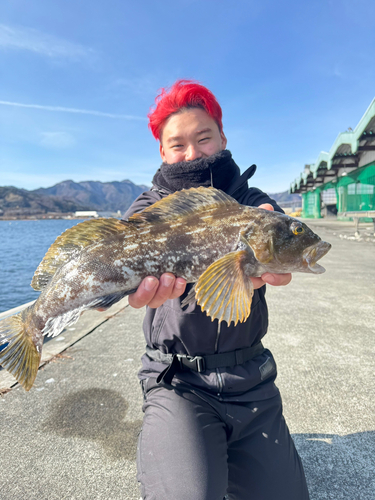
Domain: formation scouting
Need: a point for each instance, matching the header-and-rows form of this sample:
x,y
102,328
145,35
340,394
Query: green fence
x,y
355,191
311,204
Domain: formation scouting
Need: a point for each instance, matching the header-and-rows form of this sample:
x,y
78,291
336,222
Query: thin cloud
x,y
22,38
141,86
72,110
57,140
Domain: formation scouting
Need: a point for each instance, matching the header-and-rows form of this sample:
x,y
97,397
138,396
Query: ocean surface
x,y
23,244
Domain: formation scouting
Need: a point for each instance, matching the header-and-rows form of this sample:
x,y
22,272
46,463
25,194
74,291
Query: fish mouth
x,y
312,254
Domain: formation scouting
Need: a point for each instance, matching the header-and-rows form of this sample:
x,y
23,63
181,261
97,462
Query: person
x,y
213,426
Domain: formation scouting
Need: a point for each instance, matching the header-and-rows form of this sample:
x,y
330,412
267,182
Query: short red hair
x,y
183,94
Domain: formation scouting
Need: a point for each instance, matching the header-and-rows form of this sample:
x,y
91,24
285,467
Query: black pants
x,y
194,447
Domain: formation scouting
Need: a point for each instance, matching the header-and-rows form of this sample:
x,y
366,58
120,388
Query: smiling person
x,y
213,427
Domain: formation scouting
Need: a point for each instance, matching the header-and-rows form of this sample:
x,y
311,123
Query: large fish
x,y
200,234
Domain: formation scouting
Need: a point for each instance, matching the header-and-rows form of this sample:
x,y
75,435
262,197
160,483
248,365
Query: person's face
x,y
189,135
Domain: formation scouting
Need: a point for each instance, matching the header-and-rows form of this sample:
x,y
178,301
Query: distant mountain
x,y
67,197
285,199
16,202
103,196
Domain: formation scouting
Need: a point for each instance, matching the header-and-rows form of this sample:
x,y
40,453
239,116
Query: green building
x,y
343,179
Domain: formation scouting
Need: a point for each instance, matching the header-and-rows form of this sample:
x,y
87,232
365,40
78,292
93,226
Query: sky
x,y
78,77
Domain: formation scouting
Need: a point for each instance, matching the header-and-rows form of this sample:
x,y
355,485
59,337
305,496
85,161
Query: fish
x,y
200,234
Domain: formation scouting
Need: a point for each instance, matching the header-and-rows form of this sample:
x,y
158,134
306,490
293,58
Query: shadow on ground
x,y
96,415
338,467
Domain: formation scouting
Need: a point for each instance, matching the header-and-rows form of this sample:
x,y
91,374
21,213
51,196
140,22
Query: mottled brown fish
x,y
200,234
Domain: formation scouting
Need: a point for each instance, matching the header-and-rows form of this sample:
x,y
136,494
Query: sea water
x,y
23,244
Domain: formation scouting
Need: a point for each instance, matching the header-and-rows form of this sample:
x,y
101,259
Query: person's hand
x,y
153,292
271,279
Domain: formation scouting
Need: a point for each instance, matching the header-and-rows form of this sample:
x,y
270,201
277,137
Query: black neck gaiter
x,y
218,170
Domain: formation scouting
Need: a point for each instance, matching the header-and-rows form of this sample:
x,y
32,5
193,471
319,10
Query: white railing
x,y
15,310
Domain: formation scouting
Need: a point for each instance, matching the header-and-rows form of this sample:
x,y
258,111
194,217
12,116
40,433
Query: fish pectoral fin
x,y
224,291
21,357
71,242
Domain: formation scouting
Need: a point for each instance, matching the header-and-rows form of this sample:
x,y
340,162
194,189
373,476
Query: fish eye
x,y
298,230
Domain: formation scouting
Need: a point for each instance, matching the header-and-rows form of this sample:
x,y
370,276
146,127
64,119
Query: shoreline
x,y
62,216
45,216
34,218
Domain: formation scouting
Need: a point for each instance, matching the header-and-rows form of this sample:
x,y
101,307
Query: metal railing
x,y
356,215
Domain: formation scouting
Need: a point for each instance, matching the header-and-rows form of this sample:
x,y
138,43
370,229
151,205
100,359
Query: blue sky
x,y
77,79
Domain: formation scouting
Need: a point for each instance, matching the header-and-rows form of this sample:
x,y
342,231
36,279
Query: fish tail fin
x,y
20,356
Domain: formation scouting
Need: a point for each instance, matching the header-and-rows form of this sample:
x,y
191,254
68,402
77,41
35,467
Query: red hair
x,y
182,94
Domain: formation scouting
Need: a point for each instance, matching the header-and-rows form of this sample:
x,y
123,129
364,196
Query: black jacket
x,y
172,329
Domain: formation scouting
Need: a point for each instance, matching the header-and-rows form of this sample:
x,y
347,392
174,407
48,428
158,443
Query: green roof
x,y
346,147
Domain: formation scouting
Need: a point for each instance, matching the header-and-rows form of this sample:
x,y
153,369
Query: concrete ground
x,y
73,436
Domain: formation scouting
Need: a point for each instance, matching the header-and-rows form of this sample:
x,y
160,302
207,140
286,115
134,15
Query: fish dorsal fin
x,y
225,290
69,243
183,203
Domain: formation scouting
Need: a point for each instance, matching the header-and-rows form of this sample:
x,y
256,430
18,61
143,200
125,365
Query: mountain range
x,y
68,196
286,199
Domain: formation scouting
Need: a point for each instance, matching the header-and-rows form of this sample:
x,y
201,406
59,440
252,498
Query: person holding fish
x,y
213,425
197,249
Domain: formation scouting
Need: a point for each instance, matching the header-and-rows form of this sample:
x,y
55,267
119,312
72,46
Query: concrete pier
x,y
73,436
